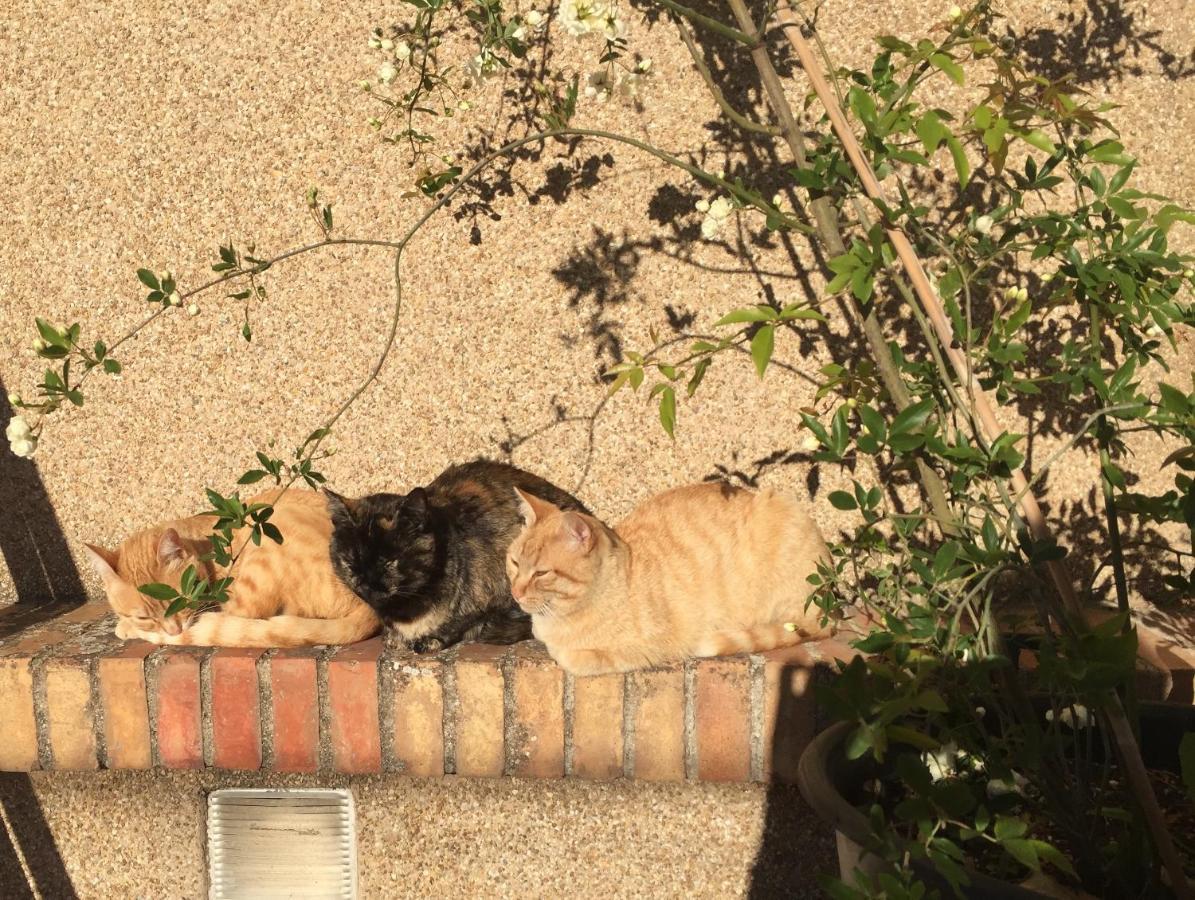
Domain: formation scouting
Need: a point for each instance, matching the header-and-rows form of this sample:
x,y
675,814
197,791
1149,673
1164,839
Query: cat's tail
x,y
759,638
223,630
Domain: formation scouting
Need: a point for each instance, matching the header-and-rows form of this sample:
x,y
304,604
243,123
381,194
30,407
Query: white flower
x,y
716,217
519,34
175,299
24,447
582,17
387,72
984,224
17,429
599,86
480,67
1077,716
955,12
810,443
20,436
1154,330
374,43
193,309
387,45
464,106
943,762
535,19
702,206
644,65
402,50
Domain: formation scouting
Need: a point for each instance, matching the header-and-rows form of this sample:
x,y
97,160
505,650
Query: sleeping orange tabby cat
x,y
703,570
283,595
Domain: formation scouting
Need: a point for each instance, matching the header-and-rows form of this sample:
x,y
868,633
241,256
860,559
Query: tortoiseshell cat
x,y
432,563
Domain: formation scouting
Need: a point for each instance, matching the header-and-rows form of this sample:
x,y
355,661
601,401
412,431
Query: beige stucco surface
x,y
124,835
145,134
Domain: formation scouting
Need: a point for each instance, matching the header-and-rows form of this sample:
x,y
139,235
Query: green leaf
x,y
149,279
842,500
1040,140
1008,828
912,417
252,477
698,374
112,366
761,348
931,700
668,410
247,332
962,165
1023,852
158,591
51,335
177,606
952,69
931,131
748,314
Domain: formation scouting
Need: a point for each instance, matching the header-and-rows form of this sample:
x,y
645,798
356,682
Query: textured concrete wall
x,y
144,134
142,835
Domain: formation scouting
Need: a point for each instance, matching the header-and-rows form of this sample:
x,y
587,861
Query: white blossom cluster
x,y
583,17
21,438
716,213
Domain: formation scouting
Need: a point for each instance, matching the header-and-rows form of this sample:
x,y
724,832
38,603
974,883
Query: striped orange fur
x,y
703,570
283,595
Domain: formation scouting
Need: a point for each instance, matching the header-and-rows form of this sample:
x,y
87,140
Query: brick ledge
x,y
74,697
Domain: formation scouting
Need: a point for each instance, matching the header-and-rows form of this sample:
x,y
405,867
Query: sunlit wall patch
x,y
281,843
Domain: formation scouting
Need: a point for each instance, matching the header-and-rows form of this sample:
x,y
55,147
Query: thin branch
x,y
733,114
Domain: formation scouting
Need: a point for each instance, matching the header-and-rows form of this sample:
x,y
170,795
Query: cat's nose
x,y
171,626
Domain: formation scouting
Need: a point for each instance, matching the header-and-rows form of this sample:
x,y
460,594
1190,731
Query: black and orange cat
x,y
432,562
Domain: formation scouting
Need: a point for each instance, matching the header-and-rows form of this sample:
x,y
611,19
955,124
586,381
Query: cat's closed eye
x,y
538,572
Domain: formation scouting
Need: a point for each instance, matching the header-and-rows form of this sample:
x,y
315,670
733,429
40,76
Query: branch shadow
x,y
1102,42
25,836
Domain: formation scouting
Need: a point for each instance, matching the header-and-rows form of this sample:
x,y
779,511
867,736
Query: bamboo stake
x,y
1121,731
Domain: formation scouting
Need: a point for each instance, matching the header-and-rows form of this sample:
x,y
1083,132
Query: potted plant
x,y
994,252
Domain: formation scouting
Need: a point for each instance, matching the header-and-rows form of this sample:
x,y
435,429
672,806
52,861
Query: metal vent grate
x,y
282,843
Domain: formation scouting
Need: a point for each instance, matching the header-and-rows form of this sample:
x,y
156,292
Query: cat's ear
x,y
170,547
340,507
577,532
532,509
103,561
414,505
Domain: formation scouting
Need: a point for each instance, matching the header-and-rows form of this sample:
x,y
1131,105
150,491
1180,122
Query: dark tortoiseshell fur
x,y
432,563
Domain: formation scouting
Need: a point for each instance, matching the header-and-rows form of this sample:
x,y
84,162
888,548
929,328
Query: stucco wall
x,y
141,835
145,134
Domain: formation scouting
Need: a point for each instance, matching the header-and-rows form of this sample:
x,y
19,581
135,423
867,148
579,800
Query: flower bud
x,y
702,206
534,18
14,400
645,65
851,402
464,106
810,443
193,309
402,50
175,299
984,224
364,85
1010,293
1023,294
386,44
955,13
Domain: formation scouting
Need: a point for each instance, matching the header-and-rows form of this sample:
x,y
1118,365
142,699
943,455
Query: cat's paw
x,y
427,644
125,629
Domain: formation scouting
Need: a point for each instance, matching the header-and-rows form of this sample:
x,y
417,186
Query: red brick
x,y
539,715
480,719
180,740
597,726
722,711
236,709
296,711
659,724
18,747
353,702
69,714
419,716
126,711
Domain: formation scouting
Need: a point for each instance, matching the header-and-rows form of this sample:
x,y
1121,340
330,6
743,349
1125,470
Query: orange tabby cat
x,y
283,595
703,570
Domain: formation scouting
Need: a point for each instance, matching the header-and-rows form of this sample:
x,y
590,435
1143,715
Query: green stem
x,y
712,24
